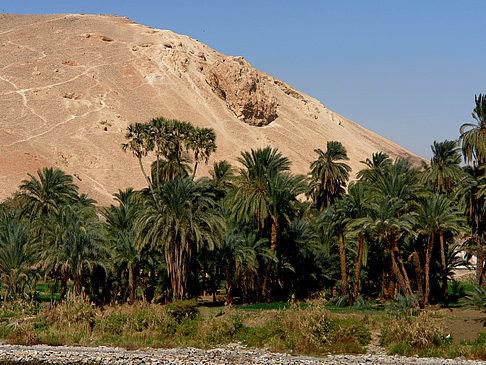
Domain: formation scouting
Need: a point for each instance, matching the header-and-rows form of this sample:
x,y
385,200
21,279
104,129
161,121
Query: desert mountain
x,y
70,84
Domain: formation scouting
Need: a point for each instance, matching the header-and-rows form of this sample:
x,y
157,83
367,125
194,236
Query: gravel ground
x,y
228,355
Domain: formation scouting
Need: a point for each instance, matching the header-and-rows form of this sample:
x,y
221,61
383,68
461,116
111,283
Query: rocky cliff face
x,y
244,90
70,84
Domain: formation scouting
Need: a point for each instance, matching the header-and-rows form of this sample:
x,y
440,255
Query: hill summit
x,y
70,84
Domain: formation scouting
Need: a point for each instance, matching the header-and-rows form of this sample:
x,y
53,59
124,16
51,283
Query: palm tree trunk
x,y
149,183
479,267
157,168
342,260
358,267
77,284
415,258
428,253
63,287
267,286
229,297
398,275
131,288
445,287
398,268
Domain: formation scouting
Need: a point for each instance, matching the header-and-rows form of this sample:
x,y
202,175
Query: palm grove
x,y
253,233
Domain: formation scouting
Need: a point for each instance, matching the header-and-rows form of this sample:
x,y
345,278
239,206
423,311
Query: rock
x,y
243,89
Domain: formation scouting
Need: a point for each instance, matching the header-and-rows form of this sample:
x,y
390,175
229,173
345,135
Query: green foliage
x,y
328,175
457,291
308,330
181,310
476,298
403,306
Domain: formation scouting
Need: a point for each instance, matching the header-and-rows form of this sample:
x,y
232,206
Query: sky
x,y
407,70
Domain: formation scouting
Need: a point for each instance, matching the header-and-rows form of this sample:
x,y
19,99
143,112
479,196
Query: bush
x,y
403,305
309,330
183,309
412,335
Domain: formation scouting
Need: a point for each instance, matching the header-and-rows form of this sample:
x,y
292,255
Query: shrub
x,y
308,330
183,309
403,305
411,335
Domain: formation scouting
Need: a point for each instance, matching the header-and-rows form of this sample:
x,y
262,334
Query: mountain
x,y
70,84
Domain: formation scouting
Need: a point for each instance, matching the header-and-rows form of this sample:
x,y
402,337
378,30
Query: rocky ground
x,y
227,355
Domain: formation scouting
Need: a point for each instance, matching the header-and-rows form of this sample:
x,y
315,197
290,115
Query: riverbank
x,y
232,354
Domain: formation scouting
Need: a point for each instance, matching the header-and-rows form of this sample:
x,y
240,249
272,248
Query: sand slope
x,y
70,84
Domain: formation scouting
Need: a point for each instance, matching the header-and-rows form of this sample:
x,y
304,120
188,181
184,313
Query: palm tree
x,y
127,253
444,169
328,176
399,180
185,221
16,257
222,175
282,191
387,222
334,219
140,144
121,232
171,168
46,194
202,143
472,203
74,245
356,200
239,254
379,161
473,136
437,215
248,200
265,193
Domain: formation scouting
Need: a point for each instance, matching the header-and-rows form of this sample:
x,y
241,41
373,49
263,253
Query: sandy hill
x,y
70,85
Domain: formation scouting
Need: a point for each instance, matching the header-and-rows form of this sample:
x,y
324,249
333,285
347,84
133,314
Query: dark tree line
x,y
257,231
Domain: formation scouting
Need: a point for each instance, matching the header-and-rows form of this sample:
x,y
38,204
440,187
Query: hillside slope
x,y
70,84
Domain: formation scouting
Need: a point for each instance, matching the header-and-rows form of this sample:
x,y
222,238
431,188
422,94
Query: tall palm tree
x,y
249,200
444,169
387,223
282,191
140,144
473,135
46,194
436,215
472,202
334,220
202,143
120,220
239,253
328,175
356,200
185,220
265,193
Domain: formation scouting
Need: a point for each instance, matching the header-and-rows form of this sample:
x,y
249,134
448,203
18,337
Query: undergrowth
x,y
297,329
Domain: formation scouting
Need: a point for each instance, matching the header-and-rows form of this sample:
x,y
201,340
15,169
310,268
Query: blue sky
x,y
408,70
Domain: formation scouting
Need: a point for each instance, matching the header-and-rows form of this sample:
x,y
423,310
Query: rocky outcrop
x,y
243,89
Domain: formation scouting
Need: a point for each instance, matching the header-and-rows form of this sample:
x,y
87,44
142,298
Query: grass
x,y
309,329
